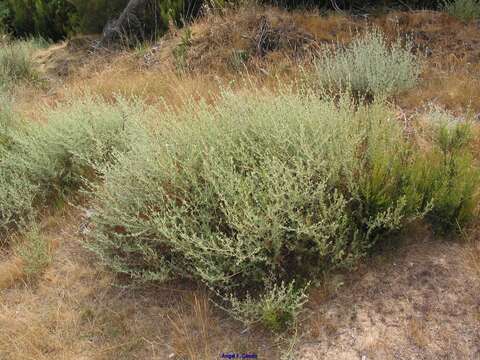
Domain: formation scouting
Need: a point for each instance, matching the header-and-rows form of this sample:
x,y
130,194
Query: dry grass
x,y
416,332
473,256
77,310
192,329
455,91
471,250
452,58
11,270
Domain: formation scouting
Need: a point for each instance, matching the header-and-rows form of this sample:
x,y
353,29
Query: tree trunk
x,y
143,18
126,24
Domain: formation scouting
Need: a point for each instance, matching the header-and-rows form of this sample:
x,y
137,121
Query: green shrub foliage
x,y
42,164
277,308
16,62
369,67
253,196
448,175
261,187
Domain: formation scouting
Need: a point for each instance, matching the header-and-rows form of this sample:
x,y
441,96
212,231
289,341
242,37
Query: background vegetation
x,y
56,19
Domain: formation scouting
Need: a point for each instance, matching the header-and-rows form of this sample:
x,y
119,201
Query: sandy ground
x,y
418,302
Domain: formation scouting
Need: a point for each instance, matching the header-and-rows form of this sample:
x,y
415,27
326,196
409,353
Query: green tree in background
x,y
56,19
48,18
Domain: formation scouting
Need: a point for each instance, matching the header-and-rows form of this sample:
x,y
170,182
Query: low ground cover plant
x,y
268,190
35,253
368,67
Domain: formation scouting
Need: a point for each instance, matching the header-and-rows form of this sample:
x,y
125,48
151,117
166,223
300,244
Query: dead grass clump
x,y
11,270
248,37
473,256
417,333
193,329
455,90
284,36
435,34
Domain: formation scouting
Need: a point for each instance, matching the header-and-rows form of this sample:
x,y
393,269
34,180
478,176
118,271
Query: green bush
x,y
56,19
465,10
448,175
16,62
256,188
5,16
253,196
35,252
17,195
43,164
7,122
15,190
276,309
368,67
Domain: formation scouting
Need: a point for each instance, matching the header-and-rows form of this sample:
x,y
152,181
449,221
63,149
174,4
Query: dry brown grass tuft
x,y
473,256
192,335
416,332
471,251
11,270
456,91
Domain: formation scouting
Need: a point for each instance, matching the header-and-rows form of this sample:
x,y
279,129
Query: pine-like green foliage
x,y
56,19
50,19
465,10
369,67
449,176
